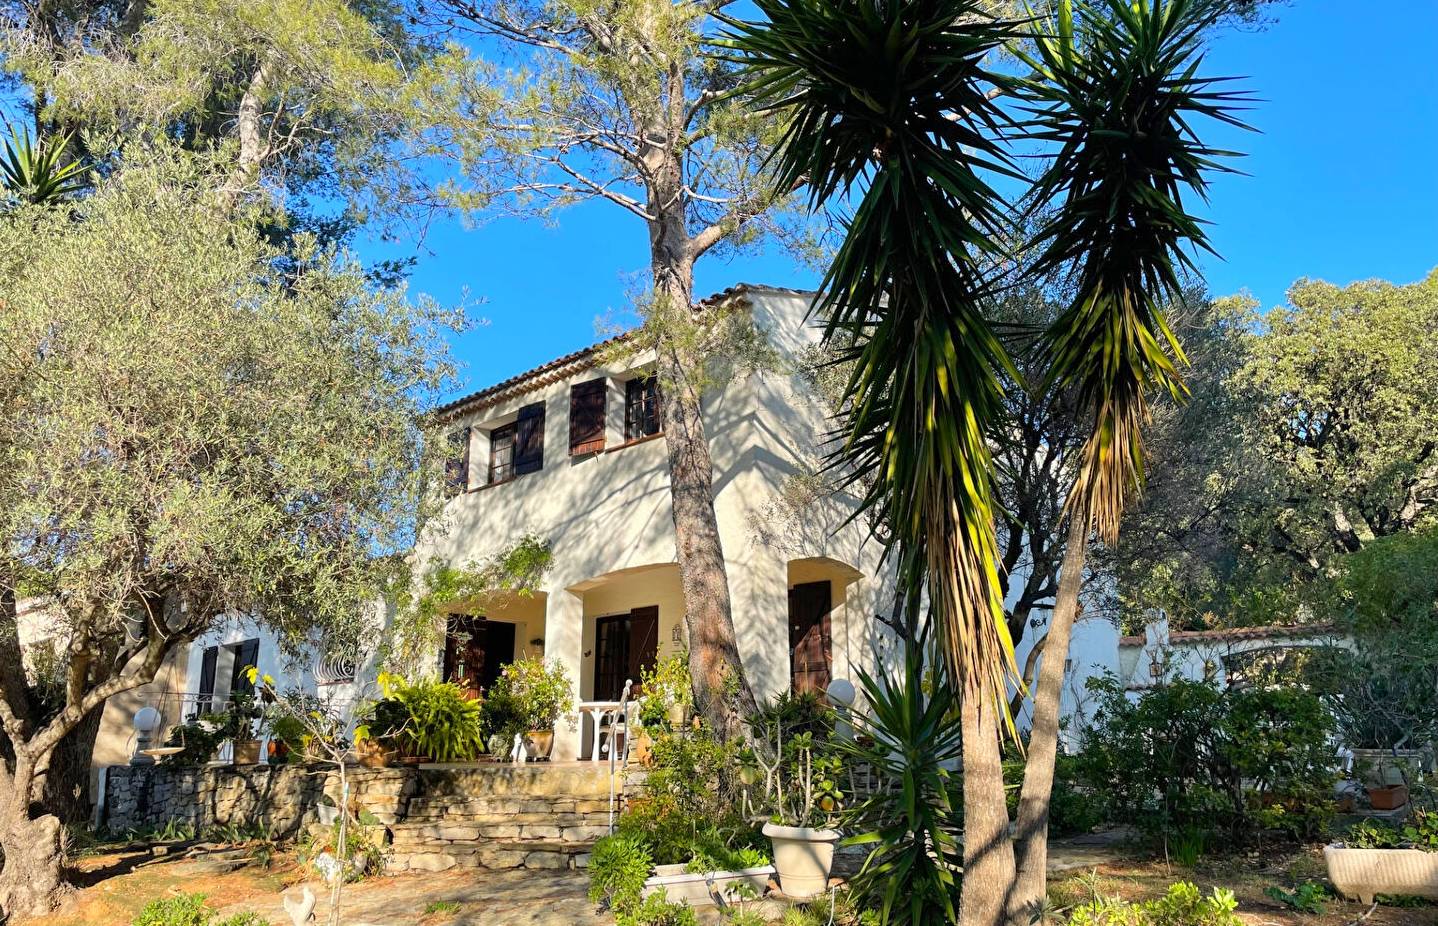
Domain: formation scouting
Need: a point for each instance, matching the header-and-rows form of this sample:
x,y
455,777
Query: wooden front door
x,y
809,641
624,645
475,651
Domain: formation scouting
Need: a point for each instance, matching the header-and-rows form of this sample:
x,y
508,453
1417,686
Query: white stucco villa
x,y
572,452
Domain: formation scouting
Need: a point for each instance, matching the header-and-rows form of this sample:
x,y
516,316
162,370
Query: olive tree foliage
x,y
200,431
307,98
1309,437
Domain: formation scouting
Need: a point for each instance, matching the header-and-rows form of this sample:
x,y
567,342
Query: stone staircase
x,y
500,816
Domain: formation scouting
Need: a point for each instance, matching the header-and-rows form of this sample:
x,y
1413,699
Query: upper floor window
x,y
586,417
456,464
518,448
501,453
641,407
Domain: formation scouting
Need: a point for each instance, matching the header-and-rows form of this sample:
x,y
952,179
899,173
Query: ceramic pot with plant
x,y
240,722
377,738
539,693
1382,858
799,770
441,722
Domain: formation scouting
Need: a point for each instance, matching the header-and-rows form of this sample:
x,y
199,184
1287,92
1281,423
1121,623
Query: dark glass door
x,y
624,645
476,651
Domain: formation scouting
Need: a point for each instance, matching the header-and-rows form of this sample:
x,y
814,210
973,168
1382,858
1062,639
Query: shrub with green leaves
x,y
689,806
618,868
1232,763
427,718
1182,905
538,691
1420,831
181,910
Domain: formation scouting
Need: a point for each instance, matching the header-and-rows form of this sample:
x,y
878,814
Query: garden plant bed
x,y
698,889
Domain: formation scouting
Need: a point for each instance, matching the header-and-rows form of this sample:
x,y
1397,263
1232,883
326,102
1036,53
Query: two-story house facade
x,y
573,452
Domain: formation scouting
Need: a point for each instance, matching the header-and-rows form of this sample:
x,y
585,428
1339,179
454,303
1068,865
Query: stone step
x,y
559,803
408,835
538,854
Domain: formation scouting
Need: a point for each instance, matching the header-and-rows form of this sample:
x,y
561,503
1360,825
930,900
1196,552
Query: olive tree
x,y
207,429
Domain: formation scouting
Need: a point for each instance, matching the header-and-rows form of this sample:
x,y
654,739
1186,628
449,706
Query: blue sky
x,y
1343,186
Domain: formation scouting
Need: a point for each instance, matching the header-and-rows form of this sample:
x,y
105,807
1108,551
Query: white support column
x,y
564,642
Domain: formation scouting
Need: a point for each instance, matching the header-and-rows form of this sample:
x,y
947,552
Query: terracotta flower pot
x,y
247,752
1389,798
372,754
803,856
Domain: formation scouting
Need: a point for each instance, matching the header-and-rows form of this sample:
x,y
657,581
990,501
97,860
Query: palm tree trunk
x,y
1036,796
989,871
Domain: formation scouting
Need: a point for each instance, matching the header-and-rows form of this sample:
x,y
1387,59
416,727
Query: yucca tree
x,y
890,101
1115,90
39,171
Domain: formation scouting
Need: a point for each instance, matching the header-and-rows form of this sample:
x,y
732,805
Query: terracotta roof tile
x,y
1237,634
577,361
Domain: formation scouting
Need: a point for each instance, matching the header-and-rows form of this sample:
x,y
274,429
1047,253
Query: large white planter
x,y
1362,873
803,857
700,889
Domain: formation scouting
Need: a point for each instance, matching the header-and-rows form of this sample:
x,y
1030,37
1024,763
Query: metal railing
x,y
615,729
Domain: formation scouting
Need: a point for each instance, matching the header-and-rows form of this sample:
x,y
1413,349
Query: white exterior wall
x,y
609,512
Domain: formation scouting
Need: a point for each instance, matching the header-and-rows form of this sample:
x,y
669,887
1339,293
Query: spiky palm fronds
x,y
1117,86
890,100
38,172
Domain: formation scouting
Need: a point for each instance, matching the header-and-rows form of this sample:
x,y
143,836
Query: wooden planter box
x,y
1363,873
702,889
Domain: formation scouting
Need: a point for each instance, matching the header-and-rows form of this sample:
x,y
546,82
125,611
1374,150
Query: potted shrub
x,y
377,738
239,724
665,700
286,739
442,723
538,692
799,770
1377,858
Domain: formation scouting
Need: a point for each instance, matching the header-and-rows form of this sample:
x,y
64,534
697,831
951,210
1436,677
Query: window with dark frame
x,y
501,454
641,408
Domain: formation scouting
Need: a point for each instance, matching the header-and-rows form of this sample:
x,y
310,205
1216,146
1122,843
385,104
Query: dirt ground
x,y
114,887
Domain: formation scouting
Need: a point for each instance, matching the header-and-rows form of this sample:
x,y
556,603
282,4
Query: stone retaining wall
x,y
281,798
435,817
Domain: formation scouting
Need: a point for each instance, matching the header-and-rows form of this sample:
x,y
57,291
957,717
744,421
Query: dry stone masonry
x,y
436,817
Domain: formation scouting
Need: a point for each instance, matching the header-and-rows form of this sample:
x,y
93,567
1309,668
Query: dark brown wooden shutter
x,y
529,440
643,642
456,466
586,417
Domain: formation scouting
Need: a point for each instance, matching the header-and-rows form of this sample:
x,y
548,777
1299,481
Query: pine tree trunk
x,y
989,872
722,695
1036,796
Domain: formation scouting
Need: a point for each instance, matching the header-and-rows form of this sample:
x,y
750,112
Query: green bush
x,y
658,910
1182,905
538,692
1072,809
425,718
618,868
1188,758
664,686
689,805
182,910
